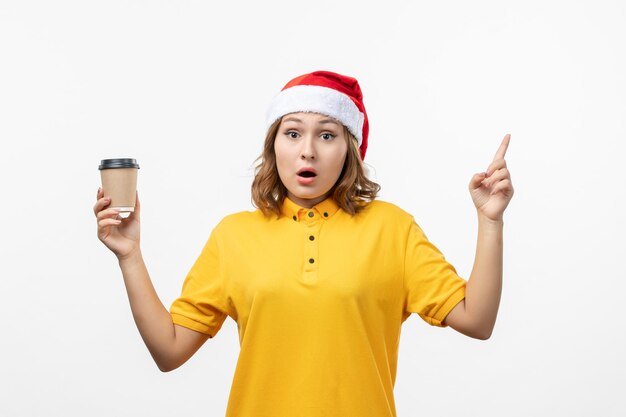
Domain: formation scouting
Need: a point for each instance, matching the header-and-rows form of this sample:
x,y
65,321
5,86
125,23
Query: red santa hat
x,y
335,95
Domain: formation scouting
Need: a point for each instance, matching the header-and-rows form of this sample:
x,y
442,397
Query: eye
x,y
291,133
328,134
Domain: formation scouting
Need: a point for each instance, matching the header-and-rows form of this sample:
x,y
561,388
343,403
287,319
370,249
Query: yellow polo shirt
x,y
319,297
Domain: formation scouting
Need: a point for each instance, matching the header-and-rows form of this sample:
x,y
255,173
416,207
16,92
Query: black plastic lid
x,y
118,163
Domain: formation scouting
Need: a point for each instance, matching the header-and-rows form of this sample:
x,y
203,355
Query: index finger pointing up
x,y
503,146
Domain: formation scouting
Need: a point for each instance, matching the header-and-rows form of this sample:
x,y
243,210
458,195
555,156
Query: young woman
x,y
321,276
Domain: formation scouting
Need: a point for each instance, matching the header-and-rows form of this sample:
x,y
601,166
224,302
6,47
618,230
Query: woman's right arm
x,y
170,345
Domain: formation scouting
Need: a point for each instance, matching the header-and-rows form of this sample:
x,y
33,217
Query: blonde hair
x,y
352,191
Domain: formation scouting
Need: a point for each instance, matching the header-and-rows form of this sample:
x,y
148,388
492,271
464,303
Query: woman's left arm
x,y
491,191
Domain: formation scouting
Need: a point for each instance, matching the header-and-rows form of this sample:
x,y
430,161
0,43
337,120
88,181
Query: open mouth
x,y
307,174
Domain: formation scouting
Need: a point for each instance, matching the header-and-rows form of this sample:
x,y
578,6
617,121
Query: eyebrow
x,y
321,122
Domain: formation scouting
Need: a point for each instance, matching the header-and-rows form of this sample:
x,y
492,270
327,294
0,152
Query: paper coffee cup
x,y
119,183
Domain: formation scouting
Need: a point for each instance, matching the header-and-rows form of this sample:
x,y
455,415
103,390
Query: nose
x,y
308,149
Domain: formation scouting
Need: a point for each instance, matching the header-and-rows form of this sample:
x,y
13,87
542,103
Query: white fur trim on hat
x,y
317,99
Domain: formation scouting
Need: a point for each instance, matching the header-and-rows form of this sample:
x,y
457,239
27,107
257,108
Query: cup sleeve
x,y
431,284
201,305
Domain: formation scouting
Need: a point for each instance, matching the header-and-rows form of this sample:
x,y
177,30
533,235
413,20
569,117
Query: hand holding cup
x,y
120,235
117,206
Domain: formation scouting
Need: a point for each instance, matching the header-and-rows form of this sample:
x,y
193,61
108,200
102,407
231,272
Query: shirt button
x,y
311,214
311,237
311,260
325,214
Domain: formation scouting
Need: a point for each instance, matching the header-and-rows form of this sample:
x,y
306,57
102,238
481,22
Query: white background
x,y
183,87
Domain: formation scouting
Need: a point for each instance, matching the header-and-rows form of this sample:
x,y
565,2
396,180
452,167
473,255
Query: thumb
x,y
137,211
477,180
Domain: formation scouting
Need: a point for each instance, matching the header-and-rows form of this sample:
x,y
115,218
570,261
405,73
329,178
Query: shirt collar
x,y
324,209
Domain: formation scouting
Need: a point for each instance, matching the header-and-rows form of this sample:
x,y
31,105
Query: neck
x,y
307,202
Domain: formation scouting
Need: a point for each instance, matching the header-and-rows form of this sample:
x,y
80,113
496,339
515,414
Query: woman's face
x,y
309,141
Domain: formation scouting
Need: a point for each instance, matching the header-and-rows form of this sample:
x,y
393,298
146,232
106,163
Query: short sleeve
x,y
202,303
432,286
